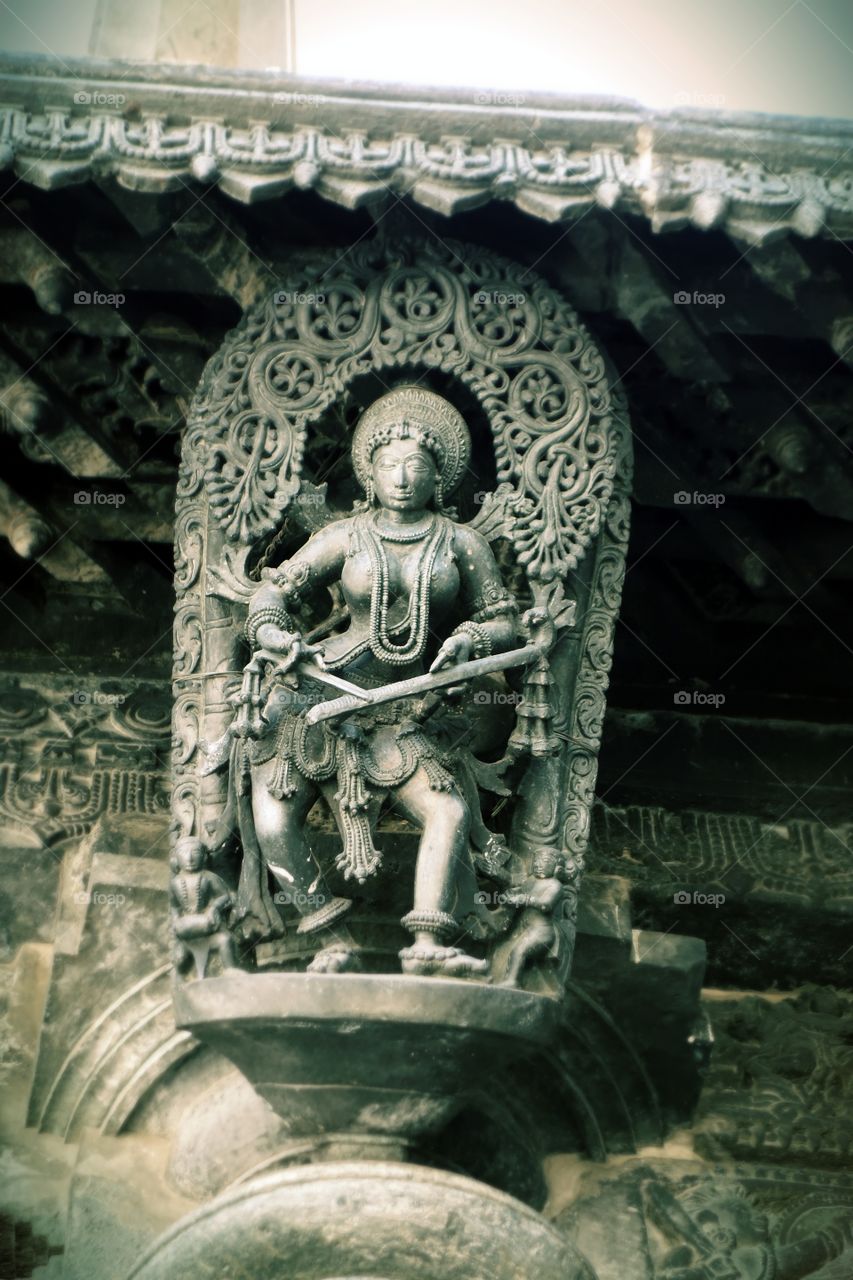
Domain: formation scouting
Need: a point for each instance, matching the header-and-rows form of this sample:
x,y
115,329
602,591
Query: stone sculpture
x,y
202,905
545,898
440,678
404,570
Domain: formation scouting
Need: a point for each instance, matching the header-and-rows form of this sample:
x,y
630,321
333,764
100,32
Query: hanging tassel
x,y
533,734
283,785
412,740
359,858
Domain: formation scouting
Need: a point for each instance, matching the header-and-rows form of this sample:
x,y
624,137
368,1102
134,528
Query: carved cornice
x,y
157,128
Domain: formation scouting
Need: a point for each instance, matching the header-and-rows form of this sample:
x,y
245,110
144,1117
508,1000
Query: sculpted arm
x,y
218,897
270,624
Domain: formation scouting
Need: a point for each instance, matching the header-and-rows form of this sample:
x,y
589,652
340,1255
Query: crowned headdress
x,y
414,413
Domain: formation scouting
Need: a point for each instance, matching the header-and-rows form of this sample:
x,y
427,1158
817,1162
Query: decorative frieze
x,y
551,157
797,862
71,753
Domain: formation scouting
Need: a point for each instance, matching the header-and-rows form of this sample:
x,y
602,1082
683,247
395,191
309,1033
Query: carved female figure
x,y
422,592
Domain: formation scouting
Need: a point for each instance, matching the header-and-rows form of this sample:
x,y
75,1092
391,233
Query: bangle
x,y
481,641
277,616
504,609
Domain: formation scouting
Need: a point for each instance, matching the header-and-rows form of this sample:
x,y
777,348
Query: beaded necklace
x,y
399,532
183,886
413,645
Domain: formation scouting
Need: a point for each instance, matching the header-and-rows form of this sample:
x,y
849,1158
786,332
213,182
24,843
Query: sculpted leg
x,y
536,938
280,827
444,819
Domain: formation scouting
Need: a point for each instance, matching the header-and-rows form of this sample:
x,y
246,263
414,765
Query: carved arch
x,y
562,453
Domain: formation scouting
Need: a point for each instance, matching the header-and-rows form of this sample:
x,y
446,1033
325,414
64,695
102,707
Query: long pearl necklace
x,y
413,645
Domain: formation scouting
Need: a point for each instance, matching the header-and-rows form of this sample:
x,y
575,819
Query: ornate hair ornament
x,y
414,413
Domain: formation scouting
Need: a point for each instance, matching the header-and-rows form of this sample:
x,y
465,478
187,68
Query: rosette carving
x,y
524,354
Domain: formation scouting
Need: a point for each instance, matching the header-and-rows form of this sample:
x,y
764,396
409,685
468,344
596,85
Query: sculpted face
x,y
545,863
403,476
191,855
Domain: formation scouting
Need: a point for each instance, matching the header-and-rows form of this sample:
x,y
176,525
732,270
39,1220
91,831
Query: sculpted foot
x,y
449,962
336,959
460,965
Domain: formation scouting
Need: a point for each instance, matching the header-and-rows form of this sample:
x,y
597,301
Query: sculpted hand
x,y
275,640
285,648
455,649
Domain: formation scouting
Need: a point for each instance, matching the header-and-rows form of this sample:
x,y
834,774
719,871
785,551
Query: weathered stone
x,y
370,1218
737,574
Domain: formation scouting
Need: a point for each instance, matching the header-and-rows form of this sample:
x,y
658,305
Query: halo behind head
x,y
419,413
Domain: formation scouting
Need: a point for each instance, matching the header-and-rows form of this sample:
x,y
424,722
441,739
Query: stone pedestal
x,y
372,1054
367,1220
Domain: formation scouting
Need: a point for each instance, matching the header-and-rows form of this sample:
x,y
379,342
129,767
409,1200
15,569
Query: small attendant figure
x,y
543,898
202,905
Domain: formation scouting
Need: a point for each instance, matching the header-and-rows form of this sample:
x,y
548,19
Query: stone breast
x,y
357,582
